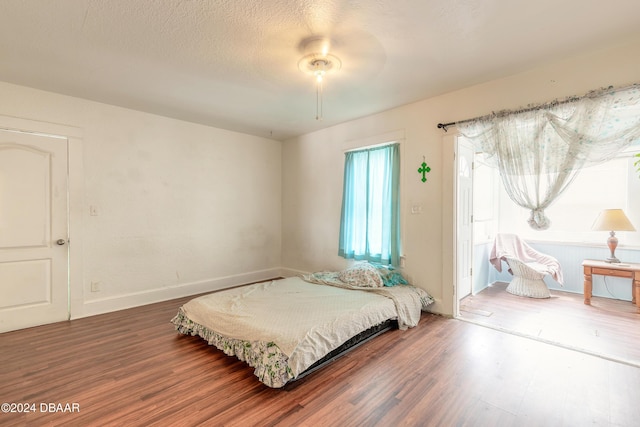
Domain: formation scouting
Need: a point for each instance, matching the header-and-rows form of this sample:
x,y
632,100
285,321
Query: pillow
x,y
390,277
362,274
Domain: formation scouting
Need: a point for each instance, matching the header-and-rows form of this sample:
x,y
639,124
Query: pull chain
x,y
319,99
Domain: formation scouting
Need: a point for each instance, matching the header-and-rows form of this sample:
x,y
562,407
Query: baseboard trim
x,y
135,299
290,272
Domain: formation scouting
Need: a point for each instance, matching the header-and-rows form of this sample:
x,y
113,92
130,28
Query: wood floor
x,y
609,328
131,368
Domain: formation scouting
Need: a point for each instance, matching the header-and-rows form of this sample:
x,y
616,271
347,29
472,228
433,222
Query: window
x,y
609,185
370,220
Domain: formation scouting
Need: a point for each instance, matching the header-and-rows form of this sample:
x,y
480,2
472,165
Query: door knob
x,y
60,242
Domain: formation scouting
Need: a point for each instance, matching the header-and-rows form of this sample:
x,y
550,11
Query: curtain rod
x,y
444,126
502,113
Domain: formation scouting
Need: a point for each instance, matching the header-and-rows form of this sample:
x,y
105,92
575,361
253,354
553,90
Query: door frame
x,y
75,197
449,225
459,141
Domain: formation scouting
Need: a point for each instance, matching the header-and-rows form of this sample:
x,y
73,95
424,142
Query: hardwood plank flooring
x,y
608,328
131,368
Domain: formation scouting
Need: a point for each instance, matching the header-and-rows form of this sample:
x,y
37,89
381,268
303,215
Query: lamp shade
x,y
612,220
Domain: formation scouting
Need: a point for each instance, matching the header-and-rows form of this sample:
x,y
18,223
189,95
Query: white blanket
x,y
305,320
409,300
510,245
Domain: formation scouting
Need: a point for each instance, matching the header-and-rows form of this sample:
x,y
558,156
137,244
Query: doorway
x,y
602,329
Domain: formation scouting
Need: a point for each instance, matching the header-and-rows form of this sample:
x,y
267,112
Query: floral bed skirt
x,y
269,362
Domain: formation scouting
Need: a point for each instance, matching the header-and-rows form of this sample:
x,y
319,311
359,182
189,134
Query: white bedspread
x,y
305,320
409,300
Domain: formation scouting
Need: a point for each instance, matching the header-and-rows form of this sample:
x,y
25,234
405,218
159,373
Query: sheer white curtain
x,y
539,150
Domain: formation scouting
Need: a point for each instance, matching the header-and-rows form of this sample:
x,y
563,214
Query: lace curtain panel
x,y
540,150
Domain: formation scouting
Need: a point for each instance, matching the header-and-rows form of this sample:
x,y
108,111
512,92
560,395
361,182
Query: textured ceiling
x,y
232,64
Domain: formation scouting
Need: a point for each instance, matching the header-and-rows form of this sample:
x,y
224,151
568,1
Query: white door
x,y
464,216
33,230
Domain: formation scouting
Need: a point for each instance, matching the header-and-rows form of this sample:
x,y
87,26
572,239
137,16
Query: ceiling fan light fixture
x,y
319,68
318,62
314,63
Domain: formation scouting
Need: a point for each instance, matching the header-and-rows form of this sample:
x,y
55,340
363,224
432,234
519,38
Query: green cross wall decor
x,y
424,170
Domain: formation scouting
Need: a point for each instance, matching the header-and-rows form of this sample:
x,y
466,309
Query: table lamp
x,y
612,220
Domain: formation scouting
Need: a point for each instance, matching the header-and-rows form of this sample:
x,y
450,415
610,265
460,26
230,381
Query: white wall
x,y
312,165
181,208
184,208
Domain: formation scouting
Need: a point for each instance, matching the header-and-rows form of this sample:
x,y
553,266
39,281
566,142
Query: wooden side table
x,y
601,268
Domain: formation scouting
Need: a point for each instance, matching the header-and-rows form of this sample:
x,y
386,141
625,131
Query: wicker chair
x,y
527,266
527,279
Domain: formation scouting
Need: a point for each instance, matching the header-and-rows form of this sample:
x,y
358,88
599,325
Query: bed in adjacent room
x,y
286,328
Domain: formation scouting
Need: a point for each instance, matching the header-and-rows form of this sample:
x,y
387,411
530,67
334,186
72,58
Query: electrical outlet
x,y
95,286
